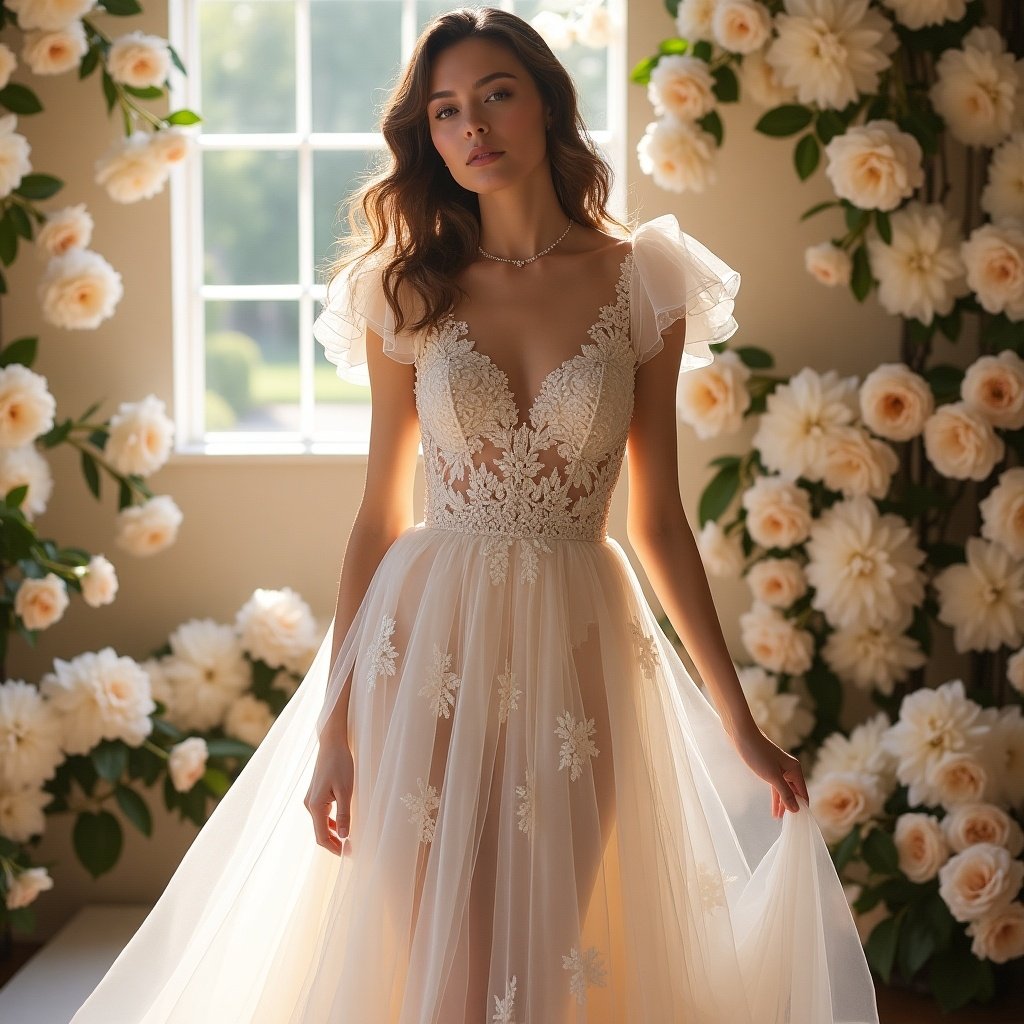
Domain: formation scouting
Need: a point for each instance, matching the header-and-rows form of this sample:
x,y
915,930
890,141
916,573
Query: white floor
x,y
55,982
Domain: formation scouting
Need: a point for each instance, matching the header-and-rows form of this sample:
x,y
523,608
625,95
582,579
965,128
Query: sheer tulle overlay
x,y
549,822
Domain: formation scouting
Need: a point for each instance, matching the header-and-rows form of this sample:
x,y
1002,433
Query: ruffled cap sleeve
x,y
675,275
355,298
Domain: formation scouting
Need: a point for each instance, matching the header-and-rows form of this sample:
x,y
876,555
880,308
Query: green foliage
x,y
97,839
719,492
231,358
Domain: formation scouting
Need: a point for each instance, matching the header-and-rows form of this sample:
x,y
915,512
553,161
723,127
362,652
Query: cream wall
x,y
272,522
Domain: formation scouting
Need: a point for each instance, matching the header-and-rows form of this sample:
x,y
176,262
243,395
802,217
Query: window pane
x,y
427,11
355,50
250,210
247,61
252,365
336,173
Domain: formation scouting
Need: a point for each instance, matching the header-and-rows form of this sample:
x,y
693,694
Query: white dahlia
x,y
1002,198
872,657
30,736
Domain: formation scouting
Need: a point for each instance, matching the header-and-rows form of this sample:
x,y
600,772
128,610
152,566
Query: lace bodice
x,y
550,476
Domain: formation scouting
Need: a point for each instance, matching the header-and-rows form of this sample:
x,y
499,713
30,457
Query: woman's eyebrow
x,y
476,84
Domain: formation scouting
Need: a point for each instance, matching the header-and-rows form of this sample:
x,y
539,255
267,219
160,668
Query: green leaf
x,y
641,74
21,350
57,434
149,92
726,87
880,852
950,325
943,553
944,380
712,123
917,940
806,156
884,226
828,125
88,63
217,781
37,186
165,728
787,119
226,747
19,218
718,493
121,8
8,241
1000,333
185,116
847,849
91,472
881,946
754,357
725,460
860,278
111,759
97,839
22,919
818,207
673,46
19,99
135,809
15,496
958,978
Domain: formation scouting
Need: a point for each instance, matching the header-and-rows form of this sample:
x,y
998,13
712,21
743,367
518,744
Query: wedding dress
x,y
544,798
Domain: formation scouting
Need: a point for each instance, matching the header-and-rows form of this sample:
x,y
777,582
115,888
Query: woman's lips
x,y
487,158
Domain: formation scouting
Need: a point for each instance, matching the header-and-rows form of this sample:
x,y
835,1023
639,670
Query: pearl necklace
x,y
529,259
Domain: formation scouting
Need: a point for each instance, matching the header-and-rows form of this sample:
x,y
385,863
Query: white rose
x,y
895,402
48,14
741,26
856,463
775,642
713,402
1005,755
975,822
67,228
1002,512
994,257
149,528
30,735
8,62
170,145
140,437
56,51
130,170
99,582
79,290
957,778
556,30
875,166
681,85
21,812
978,89
593,27
994,387
1002,198
960,443
778,512
721,553
777,581
840,800
920,845
249,719
1015,670
39,603
828,264
24,466
777,714
679,155
760,82
980,880
26,406
276,626
25,886
186,762
920,13
694,19
999,936
139,60
14,151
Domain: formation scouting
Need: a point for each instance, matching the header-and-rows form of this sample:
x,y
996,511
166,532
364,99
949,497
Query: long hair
x,y
427,225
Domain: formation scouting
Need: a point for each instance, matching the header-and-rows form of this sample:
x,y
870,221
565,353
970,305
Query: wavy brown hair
x,y
426,224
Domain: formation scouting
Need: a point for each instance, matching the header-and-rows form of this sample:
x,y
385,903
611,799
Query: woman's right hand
x,y
332,783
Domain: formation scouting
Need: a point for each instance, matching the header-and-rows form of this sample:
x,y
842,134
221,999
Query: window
x,y
289,91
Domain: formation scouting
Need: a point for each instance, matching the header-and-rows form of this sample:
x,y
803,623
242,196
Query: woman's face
x,y
488,98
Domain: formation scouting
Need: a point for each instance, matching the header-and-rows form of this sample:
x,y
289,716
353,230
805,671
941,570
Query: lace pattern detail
x,y
548,477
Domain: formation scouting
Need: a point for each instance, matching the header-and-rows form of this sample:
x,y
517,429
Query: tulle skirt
x,y
549,825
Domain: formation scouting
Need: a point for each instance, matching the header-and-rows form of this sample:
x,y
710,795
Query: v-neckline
x,y
464,333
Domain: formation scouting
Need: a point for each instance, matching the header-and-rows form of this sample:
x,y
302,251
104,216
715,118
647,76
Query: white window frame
x,y
188,289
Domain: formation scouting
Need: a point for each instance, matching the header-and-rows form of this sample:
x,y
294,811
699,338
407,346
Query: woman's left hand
x,y
775,766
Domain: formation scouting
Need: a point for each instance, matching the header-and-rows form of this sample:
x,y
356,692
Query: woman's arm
x,y
658,531
386,506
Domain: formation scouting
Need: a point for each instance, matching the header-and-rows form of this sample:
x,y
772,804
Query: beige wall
x,y
273,522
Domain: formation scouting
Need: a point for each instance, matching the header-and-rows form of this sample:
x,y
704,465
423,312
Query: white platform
x,y
56,981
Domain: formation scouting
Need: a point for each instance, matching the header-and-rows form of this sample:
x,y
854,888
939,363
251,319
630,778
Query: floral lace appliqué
x,y
576,743
551,476
423,807
381,653
441,684
587,969
646,648
504,1008
508,693
526,807
711,883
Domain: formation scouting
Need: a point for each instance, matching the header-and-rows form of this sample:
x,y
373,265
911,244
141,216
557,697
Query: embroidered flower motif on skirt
x,y
381,653
441,683
711,883
495,550
647,648
576,743
508,693
504,1008
587,969
423,808
526,805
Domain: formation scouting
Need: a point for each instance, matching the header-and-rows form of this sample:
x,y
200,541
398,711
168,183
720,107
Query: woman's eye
x,y
438,114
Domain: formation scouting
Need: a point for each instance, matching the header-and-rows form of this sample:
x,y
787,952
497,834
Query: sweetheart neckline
x,y
604,311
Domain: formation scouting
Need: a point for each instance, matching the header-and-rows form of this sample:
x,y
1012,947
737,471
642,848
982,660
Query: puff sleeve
x,y
675,275
355,299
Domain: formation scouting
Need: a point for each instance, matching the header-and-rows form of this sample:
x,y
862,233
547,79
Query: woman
x,y
524,809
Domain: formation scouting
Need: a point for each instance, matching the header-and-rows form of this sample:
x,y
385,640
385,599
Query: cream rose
x,y
856,463
99,582
48,14
895,402
24,887
8,62
982,879
681,85
149,528
1002,512
139,60
741,26
840,800
977,822
186,762
26,406
79,290
65,229
140,438
130,170
960,443
777,582
828,264
920,845
957,778
994,387
875,166
761,82
249,719
14,159
713,402
775,642
678,155
39,603
778,512
994,257
57,51
721,553
999,936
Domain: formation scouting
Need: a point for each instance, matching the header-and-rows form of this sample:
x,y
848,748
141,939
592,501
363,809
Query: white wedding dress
x,y
549,824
